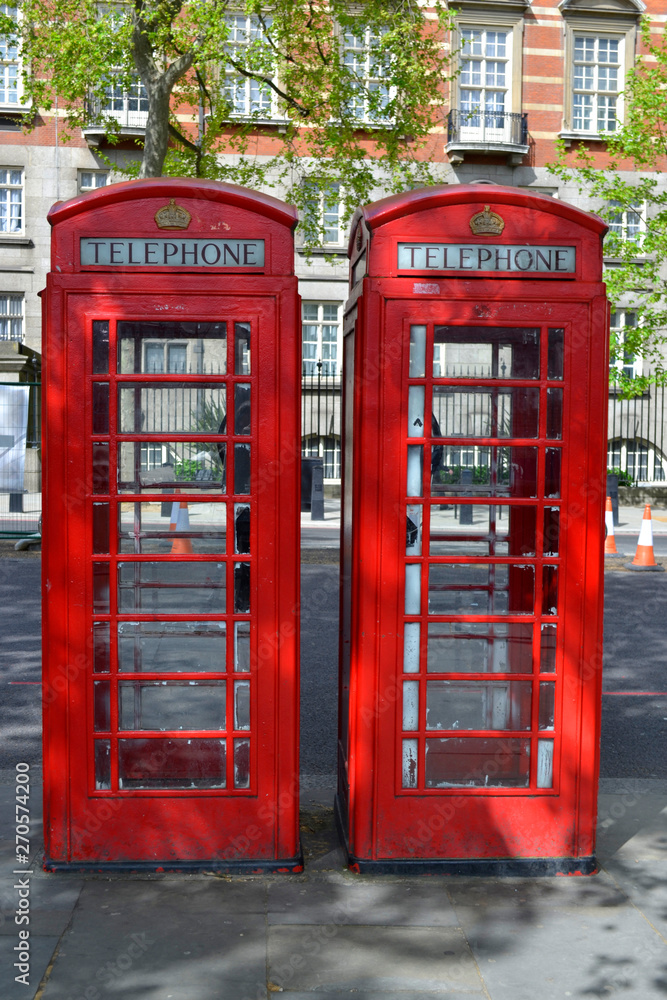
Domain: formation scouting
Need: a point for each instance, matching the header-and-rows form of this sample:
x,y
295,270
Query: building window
x,y
627,223
640,460
597,77
628,365
11,200
169,359
368,68
248,97
11,317
90,180
324,215
9,62
483,82
128,106
321,333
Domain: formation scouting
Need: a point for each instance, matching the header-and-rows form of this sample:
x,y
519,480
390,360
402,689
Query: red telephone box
x,y
171,530
474,458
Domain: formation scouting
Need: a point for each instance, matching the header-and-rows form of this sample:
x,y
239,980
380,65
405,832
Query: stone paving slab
x,y
646,887
344,900
386,995
542,941
376,959
41,950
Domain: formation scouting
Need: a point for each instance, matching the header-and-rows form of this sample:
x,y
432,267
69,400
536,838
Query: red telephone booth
x,y
171,530
474,459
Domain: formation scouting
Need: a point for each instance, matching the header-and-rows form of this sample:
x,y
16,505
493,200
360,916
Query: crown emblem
x,y
172,216
487,222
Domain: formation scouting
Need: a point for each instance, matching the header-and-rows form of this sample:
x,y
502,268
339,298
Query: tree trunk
x,y
156,141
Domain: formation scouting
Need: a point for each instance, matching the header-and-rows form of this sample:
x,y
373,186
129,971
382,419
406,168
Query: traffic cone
x,y
644,558
180,521
610,542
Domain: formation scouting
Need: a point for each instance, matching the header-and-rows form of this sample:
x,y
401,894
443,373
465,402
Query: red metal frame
x,y
389,826
252,827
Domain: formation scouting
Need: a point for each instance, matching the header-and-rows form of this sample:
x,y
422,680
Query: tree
x,y
353,92
636,208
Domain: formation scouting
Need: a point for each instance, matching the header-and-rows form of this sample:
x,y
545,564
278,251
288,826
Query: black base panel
x,y
482,867
219,866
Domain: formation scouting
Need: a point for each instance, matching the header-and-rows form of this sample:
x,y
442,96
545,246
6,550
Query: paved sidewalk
x,y
329,932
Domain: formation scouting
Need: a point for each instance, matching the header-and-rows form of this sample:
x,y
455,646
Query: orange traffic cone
x,y
180,521
609,542
644,558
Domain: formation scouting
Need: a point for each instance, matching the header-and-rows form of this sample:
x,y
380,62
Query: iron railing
x,y
321,419
636,435
479,125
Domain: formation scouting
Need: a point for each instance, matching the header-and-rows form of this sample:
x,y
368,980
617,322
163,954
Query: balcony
x,y
130,111
487,132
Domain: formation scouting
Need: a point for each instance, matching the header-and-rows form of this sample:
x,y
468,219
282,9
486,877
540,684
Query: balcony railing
x,y
509,128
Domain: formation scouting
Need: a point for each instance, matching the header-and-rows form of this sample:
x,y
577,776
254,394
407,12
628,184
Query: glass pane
x,y
485,531
416,411
241,469
415,470
171,705
101,588
471,762
100,346
552,473
242,414
413,589
100,407
478,704
483,471
413,530
486,413
486,352
167,466
102,764
545,763
242,763
179,587
189,527
241,587
410,705
548,637
100,467
174,407
167,647
480,647
409,763
480,589
417,351
241,527
172,348
102,706
100,528
551,530
555,414
547,702
165,763
555,354
242,647
101,647
241,348
241,704
411,647
550,590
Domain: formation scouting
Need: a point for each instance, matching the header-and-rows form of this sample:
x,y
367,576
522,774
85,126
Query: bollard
x,y
465,510
317,492
612,493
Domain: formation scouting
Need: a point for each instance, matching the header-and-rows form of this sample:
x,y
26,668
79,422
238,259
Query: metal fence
x,y
321,420
636,436
20,458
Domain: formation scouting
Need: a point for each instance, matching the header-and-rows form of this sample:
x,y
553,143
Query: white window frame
x,y
328,448
326,208
489,74
331,366
95,176
630,223
10,59
263,97
7,187
630,454
164,346
619,26
358,58
12,321
492,21
126,115
629,365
